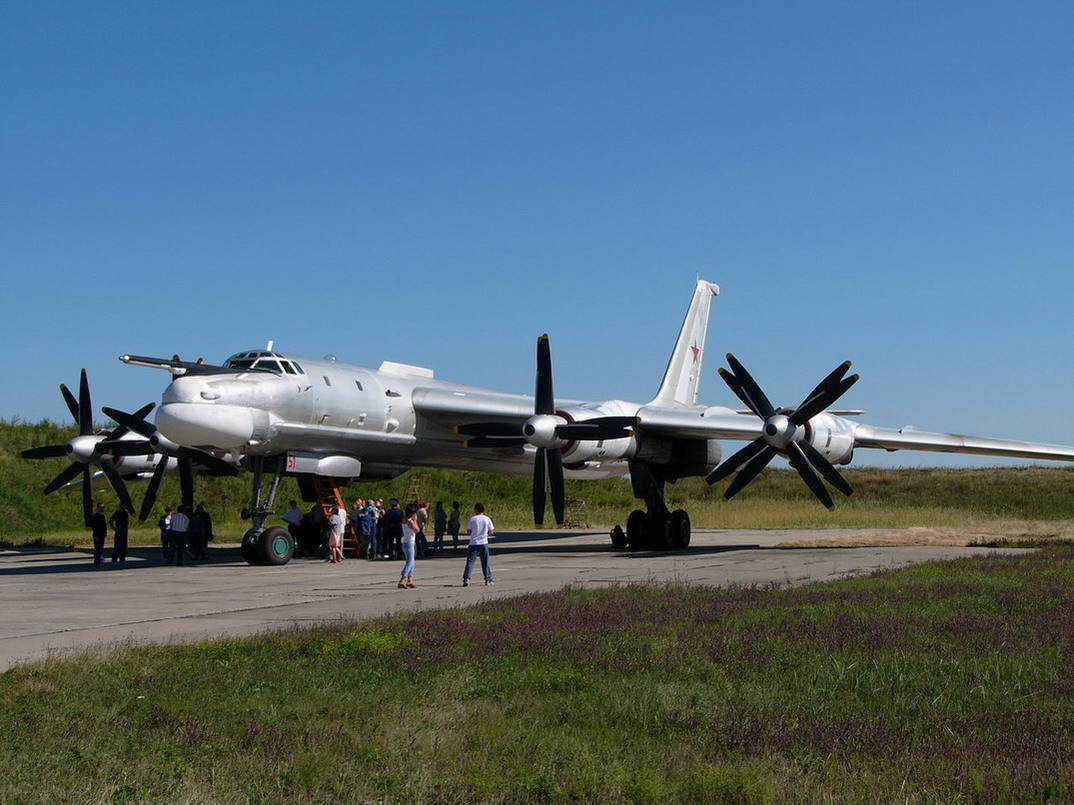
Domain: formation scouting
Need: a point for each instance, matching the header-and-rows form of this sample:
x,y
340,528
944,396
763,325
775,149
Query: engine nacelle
x,y
695,457
833,436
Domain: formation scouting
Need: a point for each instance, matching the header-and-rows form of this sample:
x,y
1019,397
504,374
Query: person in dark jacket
x,y
120,522
393,529
100,533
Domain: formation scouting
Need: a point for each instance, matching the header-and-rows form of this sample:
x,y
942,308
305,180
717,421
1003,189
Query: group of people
x,y
186,527
378,531
390,531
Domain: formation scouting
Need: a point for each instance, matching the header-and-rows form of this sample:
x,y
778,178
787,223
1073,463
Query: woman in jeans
x,y
410,529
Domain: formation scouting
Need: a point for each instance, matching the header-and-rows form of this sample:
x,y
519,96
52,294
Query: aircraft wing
x,y
910,438
455,406
697,423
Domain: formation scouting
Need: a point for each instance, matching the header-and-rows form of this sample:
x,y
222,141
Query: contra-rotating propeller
x,y
158,443
548,431
784,432
84,450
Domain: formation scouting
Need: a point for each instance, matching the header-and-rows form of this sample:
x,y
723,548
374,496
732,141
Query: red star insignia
x,y
697,352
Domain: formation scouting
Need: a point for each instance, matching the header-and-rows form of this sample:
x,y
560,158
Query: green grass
x,y
777,499
947,682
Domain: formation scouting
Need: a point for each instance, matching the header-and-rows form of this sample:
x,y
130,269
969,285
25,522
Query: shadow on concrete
x,y
37,560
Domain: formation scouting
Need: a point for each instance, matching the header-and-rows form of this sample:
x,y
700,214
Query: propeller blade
x,y
116,480
186,480
539,493
85,407
151,491
823,400
544,401
126,447
122,430
131,422
555,484
750,471
736,387
489,429
761,405
69,398
64,477
209,461
495,441
801,464
600,428
825,468
730,465
748,393
836,374
87,493
50,451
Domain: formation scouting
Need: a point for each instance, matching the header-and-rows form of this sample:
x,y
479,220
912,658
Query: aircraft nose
x,y
223,427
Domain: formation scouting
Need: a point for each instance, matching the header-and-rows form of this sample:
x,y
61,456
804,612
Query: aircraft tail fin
x,y
682,377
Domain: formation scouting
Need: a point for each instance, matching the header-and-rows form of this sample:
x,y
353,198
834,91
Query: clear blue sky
x,y
440,183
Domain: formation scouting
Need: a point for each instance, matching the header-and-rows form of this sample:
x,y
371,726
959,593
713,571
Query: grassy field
x,y
943,683
936,498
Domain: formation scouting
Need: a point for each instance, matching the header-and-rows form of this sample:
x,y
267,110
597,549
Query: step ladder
x,y
575,514
415,486
328,495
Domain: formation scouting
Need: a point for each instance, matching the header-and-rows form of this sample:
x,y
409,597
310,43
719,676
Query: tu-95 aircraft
x,y
329,423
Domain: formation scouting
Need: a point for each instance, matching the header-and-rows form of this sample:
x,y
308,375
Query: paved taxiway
x,y
56,602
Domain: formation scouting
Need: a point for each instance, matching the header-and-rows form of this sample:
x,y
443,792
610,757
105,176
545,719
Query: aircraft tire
x,y
637,530
659,539
250,547
679,529
276,546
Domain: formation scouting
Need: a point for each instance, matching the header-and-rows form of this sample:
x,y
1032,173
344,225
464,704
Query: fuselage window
x,y
358,383
327,382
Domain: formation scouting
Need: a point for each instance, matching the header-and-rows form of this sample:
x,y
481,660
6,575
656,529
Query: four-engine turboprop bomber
x,y
276,414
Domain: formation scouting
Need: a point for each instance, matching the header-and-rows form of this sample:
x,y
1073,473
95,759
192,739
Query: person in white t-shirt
x,y
338,523
480,528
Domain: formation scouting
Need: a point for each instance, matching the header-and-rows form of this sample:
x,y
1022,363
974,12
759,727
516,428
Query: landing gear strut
x,y
655,529
260,545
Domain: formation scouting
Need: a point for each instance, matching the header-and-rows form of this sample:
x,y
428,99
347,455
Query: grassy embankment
x,y
983,501
947,682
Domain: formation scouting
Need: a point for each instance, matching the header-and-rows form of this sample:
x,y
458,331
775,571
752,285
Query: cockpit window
x,y
266,361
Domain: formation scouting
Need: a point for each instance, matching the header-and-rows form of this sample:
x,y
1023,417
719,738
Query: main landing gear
x,y
656,528
260,545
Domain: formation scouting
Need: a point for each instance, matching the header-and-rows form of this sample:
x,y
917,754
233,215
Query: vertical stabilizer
x,y
683,376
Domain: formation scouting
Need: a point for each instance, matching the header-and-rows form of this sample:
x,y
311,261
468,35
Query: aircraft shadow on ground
x,y
144,557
